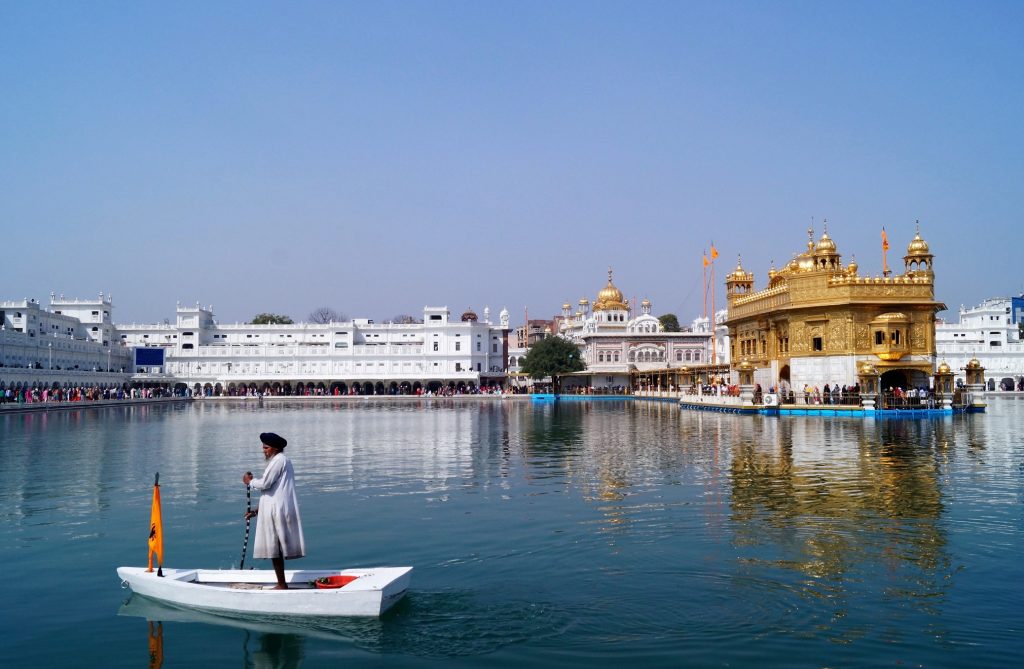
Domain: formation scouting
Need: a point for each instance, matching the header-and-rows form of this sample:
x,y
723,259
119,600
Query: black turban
x,y
273,440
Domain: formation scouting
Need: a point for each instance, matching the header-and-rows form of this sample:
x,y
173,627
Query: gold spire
x,y
918,246
610,297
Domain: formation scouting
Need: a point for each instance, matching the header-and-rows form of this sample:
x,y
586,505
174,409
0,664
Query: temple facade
x,y
623,350
820,322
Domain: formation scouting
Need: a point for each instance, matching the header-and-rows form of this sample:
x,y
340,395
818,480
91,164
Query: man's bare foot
x,y
280,586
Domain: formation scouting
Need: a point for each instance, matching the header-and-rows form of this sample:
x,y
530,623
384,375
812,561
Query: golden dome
x,y
566,306
645,303
917,246
852,268
825,244
584,302
738,274
610,297
892,316
944,368
973,364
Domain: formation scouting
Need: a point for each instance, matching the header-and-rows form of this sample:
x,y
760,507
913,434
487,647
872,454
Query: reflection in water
x,y
277,651
279,644
574,534
845,508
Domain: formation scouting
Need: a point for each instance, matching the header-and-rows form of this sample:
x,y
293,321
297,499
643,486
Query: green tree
x,y
554,357
669,322
271,319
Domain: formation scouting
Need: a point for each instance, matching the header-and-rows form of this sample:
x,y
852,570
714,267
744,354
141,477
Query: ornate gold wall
x,y
816,307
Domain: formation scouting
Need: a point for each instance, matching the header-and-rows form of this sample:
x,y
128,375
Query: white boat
x,y
331,593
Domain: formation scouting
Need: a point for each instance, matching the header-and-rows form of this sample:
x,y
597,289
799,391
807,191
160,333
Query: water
x,y
574,535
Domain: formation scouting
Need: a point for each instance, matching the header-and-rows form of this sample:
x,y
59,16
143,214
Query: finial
x,y
917,224
609,275
825,224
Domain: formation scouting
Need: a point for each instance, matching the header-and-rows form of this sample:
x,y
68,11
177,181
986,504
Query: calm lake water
x,y
583,534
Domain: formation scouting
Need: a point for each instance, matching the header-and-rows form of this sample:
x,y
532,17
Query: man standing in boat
x,y
279,530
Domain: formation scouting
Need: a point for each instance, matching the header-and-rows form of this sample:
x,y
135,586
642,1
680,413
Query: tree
x,y
406,319
326,315
271,319
669,322
554,357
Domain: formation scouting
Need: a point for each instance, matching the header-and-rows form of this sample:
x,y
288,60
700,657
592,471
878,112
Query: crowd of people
x,y
78,394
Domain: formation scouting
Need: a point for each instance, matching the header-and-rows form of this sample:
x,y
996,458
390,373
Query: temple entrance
x,y
894,379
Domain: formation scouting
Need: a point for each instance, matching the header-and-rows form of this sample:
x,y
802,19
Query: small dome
x,y
893,316
469,315
917,246
973,364
944,368
852,267
867,369
566,306
610,297
584,302
738,274
825,244
645,303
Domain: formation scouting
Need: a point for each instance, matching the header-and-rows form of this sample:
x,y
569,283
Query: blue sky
x,y
378,157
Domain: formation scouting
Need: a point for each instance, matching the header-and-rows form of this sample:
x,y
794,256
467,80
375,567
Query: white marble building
x,y
357,356
990,332
614,343
70,344
77,343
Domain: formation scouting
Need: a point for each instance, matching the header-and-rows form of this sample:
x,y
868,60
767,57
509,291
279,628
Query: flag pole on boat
x,y
156,530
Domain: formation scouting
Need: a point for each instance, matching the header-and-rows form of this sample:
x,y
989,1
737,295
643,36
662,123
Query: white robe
x,y
278,526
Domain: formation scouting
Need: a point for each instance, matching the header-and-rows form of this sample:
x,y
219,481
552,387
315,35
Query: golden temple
x,y
820,322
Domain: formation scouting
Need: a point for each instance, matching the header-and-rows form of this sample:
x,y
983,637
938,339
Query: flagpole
x,y
704,275
885,251
714,337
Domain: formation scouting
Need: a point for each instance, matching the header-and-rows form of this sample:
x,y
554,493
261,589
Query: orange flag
x,y
706,262
885,240
156,530
714,251
156,645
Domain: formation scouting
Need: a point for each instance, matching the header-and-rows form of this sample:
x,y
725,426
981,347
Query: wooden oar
x,y
248,522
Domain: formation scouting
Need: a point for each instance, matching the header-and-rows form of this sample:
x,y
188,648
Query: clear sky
x,y
378,157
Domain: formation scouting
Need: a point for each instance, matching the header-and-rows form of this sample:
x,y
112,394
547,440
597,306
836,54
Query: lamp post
x,y
108,359
49,348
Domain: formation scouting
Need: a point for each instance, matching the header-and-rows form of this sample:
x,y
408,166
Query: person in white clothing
x,y
279,530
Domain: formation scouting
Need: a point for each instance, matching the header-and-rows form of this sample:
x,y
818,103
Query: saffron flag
x,y
885,240
706,263
156,529
156,645
714,251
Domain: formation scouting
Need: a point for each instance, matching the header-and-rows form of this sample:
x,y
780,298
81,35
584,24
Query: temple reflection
x,y
819,499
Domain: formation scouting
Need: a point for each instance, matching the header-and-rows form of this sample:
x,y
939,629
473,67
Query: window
x,y
478,346
494,348
879,338
818,345
458,346
435,345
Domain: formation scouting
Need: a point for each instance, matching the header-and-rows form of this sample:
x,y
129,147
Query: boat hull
x,y
239,591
